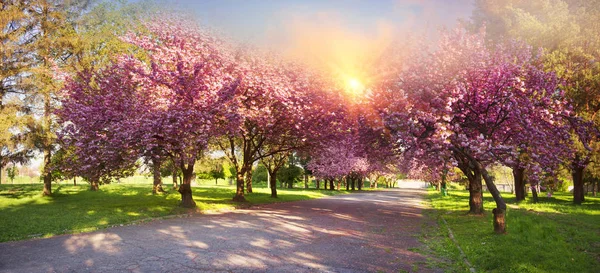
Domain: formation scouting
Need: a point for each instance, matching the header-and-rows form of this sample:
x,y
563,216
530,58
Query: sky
x,y
341,36
265,20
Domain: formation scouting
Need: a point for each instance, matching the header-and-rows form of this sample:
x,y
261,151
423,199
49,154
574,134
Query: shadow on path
x,y
362,232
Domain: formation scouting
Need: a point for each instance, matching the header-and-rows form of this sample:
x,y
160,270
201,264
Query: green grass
x,y
25,214
551,236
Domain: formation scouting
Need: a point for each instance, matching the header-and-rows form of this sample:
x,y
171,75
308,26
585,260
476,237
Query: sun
x,y
354,84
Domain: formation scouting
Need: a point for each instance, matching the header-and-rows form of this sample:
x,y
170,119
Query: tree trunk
x,y
94,185
360,181
174,176
74,181
534,193
318,184
499,220
500,210
216,181
249,180
305,181
595,188
157,178
46,140
331,186
325,183
47,185
473,174
347,182
239,181
273,183
185,189
519,178
443,185
578,196
475,193
47,191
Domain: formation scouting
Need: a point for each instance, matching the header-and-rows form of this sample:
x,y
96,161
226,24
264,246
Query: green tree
x,y
12,172
259,174
54,43
290,173
15,60
211,168
169,169
229,171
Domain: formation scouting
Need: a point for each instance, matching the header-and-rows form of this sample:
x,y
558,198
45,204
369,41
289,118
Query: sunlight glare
x,y
354,84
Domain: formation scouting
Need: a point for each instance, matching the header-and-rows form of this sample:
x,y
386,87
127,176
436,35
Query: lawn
x,y
551,236
25,214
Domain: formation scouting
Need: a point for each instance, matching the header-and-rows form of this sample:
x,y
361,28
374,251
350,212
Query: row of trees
x,y
169,92
516,86
568,35
191,93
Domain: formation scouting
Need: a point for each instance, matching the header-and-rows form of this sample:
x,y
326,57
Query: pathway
x,y
361,232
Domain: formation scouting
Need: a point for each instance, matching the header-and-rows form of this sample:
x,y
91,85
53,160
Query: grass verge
x,y
551,236
25,214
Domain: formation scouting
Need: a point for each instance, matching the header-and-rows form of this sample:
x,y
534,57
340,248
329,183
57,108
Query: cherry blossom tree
x,y
478,102
99,127
333,161
262,107
165,104
276,109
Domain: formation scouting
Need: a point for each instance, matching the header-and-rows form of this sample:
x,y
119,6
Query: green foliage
x,y
16,58
12,172
401,176
210,168
167,168
100,28
217,173
73,209
290,174
203,176
60,158
551,236
454,186
259,174
228,169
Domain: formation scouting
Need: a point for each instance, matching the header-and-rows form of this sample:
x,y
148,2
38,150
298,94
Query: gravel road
x,y
363,232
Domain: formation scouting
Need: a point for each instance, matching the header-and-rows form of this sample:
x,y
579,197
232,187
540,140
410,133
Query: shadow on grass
x,y
26,214
551,236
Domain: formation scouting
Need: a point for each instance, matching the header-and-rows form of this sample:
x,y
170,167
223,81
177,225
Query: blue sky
x,y
259,19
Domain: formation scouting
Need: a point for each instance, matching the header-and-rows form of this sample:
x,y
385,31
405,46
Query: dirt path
x,y
362,232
